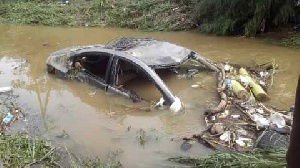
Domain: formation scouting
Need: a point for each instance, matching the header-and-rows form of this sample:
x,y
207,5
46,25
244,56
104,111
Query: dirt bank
x,y
153,15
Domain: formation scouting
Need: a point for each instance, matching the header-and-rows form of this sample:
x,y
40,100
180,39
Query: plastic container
x,y
277,119
5,89
7,119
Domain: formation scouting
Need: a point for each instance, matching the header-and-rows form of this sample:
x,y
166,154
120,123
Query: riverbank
x,y
285,39
147,15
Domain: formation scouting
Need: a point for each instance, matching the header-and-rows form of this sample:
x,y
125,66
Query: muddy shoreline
x,y
146,16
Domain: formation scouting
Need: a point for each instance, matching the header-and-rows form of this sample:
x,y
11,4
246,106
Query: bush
x,y
228,17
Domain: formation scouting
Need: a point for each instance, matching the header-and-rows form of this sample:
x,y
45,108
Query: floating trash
x,y
5,89
195,86
237,122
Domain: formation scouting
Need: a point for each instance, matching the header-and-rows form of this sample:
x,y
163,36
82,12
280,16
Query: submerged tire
x,y
272,139
50,69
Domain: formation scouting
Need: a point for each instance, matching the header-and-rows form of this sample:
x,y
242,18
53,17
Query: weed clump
x,y
293,41
257,158
20,151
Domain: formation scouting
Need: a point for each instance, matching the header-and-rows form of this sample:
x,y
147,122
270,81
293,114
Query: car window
x,y
125,72
94,63
131,79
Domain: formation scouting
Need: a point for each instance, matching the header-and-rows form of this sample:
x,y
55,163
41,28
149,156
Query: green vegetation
x,y
148,15
34,13
24,151
227,17
274,158
21,151
137,14
97,163
221,17
292,41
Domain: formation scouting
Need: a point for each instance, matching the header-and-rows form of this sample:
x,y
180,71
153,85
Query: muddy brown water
x,y
107,126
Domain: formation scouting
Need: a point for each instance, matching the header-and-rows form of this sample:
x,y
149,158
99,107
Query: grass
x,y
25,151
32,13
292,41
148,15
21,151
274,158
97,163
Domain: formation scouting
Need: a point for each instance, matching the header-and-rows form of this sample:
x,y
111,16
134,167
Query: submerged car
x,y
111,66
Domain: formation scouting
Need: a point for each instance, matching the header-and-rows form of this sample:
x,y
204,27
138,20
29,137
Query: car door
x,y
94,68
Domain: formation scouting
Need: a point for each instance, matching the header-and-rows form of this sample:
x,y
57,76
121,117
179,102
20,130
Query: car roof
x,y
156,54
152,52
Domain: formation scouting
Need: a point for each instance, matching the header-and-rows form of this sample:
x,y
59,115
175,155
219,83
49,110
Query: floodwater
x,y
108,126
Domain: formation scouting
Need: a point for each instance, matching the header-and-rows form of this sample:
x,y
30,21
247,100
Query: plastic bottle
x,y
7,119
228,84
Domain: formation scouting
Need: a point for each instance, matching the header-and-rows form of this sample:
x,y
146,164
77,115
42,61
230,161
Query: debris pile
x,y
9,110
240,118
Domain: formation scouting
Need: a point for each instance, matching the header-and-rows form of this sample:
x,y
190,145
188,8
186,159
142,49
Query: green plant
x,y
148,15
227,17
274,158
293,41
21,151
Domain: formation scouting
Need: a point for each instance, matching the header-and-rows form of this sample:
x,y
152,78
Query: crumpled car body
x,y
110,66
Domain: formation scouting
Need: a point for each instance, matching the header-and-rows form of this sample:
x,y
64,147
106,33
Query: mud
x,y
104,125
